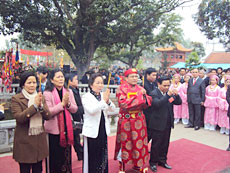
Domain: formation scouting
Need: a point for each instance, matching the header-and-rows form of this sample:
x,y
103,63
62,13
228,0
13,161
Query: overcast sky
x,y
191,30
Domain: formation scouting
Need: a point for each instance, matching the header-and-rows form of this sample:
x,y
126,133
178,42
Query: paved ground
x,y
211,138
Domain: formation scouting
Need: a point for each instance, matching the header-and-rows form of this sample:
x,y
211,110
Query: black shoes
x,y
188,126
197,128
165,165
153,168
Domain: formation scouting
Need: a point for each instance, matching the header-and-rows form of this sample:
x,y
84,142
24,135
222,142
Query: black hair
x,y
42,69
149,71
69,76
24,76
93,77
163,78
182,69
50,85
213,69
220,68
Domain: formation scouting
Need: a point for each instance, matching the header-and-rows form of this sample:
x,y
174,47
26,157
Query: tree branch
x,y
67,13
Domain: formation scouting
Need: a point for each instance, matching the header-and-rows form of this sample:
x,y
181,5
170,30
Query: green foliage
x,y
130,52
213,19
192,60
82,26
165,62
198,48
140,64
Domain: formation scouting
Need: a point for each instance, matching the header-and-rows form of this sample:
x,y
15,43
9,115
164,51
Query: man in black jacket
x,y
149,85
72,79
161,122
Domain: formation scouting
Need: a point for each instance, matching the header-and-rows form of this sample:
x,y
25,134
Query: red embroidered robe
x,y
131,132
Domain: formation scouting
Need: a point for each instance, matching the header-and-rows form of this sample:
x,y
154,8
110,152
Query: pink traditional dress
x,y
132,142
177,108
184,106
223,120
211,107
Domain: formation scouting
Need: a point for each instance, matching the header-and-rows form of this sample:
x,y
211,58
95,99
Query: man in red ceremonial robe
x,y
132,139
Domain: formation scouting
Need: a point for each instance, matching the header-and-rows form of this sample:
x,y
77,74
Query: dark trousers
x,y
194,114
202,115
77,144
26,167
159,146
59,157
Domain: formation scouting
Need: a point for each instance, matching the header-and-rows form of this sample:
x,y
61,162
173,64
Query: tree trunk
x,y
82,66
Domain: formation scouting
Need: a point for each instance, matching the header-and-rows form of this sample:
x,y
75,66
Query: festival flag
x,y
37,60
27,61
61,63
17,55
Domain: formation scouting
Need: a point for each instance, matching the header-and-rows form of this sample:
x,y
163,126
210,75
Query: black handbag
x,y
78,125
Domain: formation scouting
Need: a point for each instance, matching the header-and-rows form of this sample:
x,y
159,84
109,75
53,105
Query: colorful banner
x,y
35,53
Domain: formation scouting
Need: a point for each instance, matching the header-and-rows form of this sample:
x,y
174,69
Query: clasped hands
x,y
172,92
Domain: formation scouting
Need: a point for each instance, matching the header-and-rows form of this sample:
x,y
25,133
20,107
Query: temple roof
x,y
218,58
177,47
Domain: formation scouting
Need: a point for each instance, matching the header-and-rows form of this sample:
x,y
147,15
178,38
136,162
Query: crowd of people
x,y
50,116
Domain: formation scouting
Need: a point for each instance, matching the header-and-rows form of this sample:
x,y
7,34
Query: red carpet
x,y
184,156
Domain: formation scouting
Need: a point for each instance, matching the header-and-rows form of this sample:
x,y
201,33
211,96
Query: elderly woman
x,y
183,95
177,109
61,103
96,126
29,109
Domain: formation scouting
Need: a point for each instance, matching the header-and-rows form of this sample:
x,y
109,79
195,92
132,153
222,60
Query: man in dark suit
x,y
228,100
195,98
182,73
161,122
149,84
72,78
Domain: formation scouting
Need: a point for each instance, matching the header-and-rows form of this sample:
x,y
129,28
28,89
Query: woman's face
x,y
186,79
98,84
213,81
30,84
58,79
227,82
176,79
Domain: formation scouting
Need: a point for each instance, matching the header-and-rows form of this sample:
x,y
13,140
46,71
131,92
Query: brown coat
x,y
28,149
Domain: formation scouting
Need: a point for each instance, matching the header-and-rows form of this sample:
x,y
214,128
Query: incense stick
x,y
109,80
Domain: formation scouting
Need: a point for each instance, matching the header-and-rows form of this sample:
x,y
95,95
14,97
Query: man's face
x,y
164,87
201,74
152,76
132,79
219,71
74,82
182,72
195,73
213,72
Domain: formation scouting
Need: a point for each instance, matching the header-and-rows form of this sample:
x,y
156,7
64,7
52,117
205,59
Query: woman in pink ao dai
x,y
183,95
176,108
211,104
223,120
